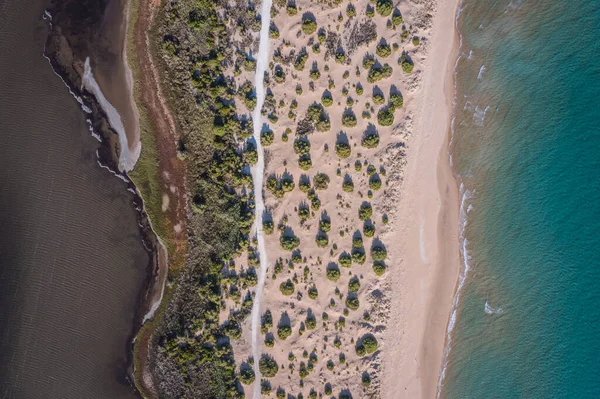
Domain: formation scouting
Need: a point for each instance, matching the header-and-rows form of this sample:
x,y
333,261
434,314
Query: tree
x,y
267,137
383,50
385,117
354,285
268,366
313,293
349,120
371,140
379,269
333,274
287,287
378,253
325,225
366,345
343,150
321,181
365,211
283,332
309,26
396,100
374,183
345,259
289,243
352,303
406,63
247,375
384,7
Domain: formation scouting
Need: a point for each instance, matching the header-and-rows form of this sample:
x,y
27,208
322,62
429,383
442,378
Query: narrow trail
x,y
258,171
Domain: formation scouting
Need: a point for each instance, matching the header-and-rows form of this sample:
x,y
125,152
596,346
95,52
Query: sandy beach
x,y
422,287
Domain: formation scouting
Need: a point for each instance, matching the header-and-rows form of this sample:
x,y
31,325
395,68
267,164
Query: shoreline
x,y
424,284
70,69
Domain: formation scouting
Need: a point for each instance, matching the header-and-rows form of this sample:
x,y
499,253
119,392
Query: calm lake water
x,y
72,261
527,147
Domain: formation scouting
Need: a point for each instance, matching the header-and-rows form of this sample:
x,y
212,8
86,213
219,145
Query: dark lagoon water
x,y
72,262
527,148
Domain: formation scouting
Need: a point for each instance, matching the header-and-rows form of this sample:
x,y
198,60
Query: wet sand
x,y
72,261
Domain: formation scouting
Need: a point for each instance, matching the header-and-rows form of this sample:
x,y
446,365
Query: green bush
x,y
368,62
349,120
330,365
359,90
309,26
371,140
357,242
396,100
383,50
379,269
378,253
305,162
321,181
368,230
340,57
291,10
377,74
378,99
269,341
315,74
348,185
303,212
366,380
358,256
268,366
406,63
374,183
352,303
327,100
354,285
345,259
365,211
343,150
267,137
289,243
283,332
311,322
358,164
321,239
384,7
385,117
370,13
350,10
301,146
366,345
325,225
273,32
397,18
313,293
265,387
280,393
333,274
247,376
287,287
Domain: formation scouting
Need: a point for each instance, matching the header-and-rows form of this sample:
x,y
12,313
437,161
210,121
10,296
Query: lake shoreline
x,y
69,67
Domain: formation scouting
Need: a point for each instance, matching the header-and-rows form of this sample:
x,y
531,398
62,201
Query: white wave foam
x,y
488,309
127,157
479,115
481,71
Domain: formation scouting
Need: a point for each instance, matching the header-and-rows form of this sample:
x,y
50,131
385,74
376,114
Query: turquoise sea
x,y
526,145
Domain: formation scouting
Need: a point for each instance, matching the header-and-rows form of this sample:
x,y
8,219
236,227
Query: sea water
x,y
526,146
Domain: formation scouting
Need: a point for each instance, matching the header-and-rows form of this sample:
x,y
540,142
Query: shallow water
x,y
71,257
526,146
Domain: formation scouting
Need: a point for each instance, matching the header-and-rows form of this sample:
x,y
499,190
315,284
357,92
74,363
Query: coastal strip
x,y
422,287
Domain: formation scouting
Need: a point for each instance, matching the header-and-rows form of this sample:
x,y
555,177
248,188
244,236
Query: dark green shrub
x,y
368,230
325,225
396,100
268,366
385,117
366,345
313,293
345,259
349,120
352,303
247,376
350,10
267,137
358,256
343,150
365,211
283,332
289,243
374,183
383,50
406,63
321,239
378,253
287,287
379,269
384,7
370,140
333,274
354,285
327,100
321,181
309,26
